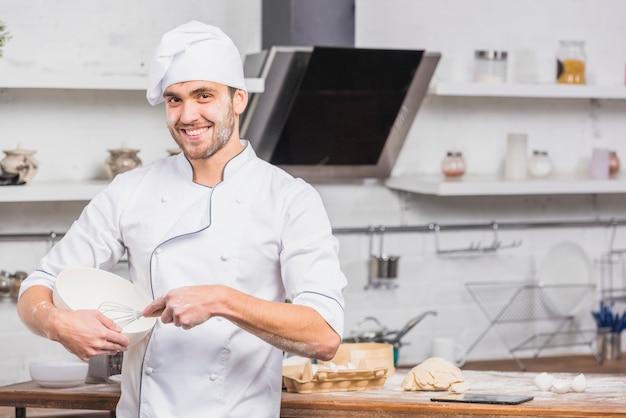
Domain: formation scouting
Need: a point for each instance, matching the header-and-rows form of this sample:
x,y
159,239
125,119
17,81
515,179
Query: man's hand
x,y
88,333
185,307
85,333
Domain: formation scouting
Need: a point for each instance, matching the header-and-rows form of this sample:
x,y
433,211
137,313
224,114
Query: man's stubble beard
x,y
222,133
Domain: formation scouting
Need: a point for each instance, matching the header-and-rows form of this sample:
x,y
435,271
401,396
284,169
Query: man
x,y
219,238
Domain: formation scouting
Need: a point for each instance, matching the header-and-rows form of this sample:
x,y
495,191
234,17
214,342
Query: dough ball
x,y
435,373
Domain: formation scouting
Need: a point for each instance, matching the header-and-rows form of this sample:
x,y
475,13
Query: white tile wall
x,y
81,125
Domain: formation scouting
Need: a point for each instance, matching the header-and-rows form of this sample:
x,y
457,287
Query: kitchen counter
x,y
605,397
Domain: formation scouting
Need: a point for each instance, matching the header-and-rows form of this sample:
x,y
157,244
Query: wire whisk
x,y
121,314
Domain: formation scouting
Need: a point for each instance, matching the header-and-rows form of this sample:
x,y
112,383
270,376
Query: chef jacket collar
x,y
232,166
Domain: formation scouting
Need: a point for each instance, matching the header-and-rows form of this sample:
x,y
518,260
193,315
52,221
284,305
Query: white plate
x,y
116,378
565,272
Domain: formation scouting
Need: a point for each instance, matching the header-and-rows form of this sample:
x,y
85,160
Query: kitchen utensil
x,y
381,266
104,366
608,345
87,288
122,315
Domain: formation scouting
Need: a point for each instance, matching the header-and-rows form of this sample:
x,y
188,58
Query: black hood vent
x,y
331,113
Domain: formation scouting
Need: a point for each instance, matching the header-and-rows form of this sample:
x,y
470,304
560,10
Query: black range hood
x,y
334,113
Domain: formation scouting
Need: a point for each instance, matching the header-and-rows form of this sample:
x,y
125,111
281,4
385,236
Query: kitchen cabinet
x,y
495,185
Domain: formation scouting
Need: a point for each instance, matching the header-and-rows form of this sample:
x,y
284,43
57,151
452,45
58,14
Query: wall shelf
x,y
547,91
94,82
51,191
486,185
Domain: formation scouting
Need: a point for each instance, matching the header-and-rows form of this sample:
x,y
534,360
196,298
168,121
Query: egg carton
x,y
325,378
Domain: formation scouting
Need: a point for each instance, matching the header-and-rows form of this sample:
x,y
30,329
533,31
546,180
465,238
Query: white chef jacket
x,y
259,231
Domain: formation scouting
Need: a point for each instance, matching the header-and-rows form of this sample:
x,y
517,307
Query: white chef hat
x,y
194,51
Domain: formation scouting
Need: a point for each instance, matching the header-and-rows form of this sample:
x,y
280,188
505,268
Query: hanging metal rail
x,y
377,229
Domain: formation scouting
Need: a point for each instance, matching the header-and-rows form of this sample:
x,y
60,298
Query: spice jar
x,y
490,66
539,164
614,163
453,165
571,60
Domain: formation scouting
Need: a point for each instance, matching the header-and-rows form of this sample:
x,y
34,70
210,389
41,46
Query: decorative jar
x,y
21,162
121,160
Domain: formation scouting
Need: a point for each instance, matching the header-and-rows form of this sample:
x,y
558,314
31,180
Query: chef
x,y
219,238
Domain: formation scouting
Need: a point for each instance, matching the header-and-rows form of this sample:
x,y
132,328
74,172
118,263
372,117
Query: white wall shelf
x,y
81,82
51,191
548,91
485,185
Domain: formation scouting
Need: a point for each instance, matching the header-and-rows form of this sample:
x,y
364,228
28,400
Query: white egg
x,y
561,385
579,383
543,381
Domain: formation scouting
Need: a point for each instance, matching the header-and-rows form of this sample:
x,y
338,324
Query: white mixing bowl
x,y
58,374
87,288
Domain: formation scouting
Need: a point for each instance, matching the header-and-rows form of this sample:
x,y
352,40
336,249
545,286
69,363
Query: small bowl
x,y
87,288
58,374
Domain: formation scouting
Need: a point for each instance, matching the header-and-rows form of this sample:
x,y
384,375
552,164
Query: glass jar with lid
x,y
571,61
453,165
539,164
490,66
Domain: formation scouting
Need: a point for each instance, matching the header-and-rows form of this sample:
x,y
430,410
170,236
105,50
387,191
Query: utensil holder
x,y
608,345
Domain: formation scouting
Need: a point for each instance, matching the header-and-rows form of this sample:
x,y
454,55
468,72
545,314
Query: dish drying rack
x,y
506,303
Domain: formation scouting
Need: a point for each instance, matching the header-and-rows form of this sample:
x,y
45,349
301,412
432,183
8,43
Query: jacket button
x,y
213,376
149,370
164,199
225,257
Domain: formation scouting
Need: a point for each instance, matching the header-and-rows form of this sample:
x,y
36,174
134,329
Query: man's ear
x,y
240,101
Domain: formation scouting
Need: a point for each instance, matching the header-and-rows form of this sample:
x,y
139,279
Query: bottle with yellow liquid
x,y
571,62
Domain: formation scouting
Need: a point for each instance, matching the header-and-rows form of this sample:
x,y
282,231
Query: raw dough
x,y
435,373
